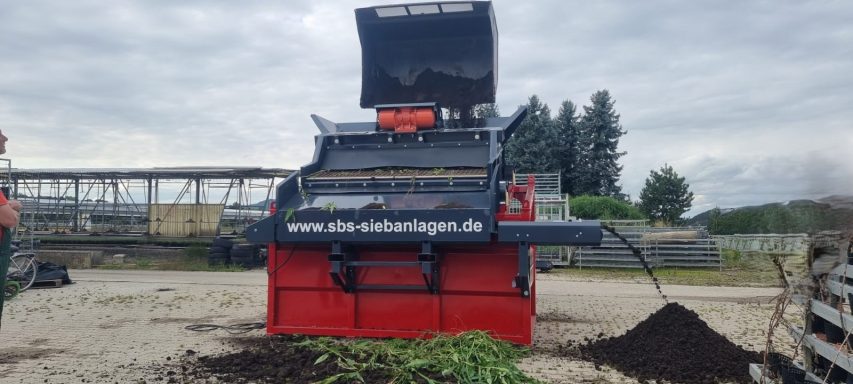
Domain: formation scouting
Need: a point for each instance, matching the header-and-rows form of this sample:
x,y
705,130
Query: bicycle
x,y
23,269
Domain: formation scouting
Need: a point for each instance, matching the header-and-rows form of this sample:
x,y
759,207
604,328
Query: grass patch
x,y
143,263
193,261
196,251
470,357
125,240
195,265
739,270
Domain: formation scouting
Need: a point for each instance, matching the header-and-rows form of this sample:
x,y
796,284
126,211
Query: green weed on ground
x,y
470,357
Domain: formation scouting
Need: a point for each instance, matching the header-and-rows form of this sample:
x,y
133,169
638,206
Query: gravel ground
x,y
111,325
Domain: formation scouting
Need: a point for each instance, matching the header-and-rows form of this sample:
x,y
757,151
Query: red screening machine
x,y
411,224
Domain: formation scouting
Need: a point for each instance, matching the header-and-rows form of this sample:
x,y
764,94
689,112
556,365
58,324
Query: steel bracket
x,y
344,264
342,273
429,267
522,280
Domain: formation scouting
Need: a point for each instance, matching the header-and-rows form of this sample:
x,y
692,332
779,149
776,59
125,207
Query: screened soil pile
x,y
273,359
673,344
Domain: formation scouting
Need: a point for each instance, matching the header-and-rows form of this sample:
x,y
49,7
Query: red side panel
x,y
476,292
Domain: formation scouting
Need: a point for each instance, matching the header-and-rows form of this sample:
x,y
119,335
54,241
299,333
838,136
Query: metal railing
x,y
551,205
698,252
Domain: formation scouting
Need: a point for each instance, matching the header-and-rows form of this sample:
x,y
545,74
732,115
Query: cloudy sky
x,y
751,101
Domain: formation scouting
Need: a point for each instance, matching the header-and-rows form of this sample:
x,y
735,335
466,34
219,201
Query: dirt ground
x,y
111,326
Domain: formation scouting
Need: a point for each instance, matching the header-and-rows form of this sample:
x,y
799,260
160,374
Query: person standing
x,y
9,216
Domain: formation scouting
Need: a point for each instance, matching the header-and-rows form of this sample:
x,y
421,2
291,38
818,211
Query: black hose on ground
x,y
233,329
639,255
244,327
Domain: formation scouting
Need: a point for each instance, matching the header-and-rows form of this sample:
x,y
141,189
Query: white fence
x,y
770,243
699,251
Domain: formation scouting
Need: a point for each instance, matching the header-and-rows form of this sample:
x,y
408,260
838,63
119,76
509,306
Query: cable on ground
x,y
233,329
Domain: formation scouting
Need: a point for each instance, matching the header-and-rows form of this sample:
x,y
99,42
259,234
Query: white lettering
x,y
431,228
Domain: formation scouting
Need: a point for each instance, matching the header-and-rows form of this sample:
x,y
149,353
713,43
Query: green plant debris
x,y
330,206
289,215
470,357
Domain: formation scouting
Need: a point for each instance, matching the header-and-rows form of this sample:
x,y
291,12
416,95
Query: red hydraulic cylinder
x,y
406,119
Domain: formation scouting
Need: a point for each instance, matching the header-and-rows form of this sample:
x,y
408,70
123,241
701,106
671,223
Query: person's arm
x,y
16,205
9,215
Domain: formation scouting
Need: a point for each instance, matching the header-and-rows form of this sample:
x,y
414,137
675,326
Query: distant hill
x,y
796,216
262,205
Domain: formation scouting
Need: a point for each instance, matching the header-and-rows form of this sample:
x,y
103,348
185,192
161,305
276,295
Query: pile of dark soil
x,y
673,344
266,361
274,359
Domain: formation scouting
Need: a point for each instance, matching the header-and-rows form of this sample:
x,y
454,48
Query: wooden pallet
x,y
47,284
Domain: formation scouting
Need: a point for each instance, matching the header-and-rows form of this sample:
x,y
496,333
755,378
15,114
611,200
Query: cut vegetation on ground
x,y
471,357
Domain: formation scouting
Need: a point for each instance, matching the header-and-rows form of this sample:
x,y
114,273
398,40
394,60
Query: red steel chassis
x,y
476,289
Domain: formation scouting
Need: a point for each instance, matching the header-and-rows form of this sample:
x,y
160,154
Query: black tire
x,y
216,249
242,250
241,254
544,265
243,261
223,243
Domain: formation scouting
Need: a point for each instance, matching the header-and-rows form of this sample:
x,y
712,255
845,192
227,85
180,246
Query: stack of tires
x,y
245,255
220,251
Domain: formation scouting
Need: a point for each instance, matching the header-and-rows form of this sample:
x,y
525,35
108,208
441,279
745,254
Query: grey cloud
x,y
748,100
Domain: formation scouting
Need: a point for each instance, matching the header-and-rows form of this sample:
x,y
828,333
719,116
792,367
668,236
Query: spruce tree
x,y
470,116
482,111
665,196
601,133
531,148
571,153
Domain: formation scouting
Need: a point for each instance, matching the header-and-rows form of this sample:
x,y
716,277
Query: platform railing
x,y
700,252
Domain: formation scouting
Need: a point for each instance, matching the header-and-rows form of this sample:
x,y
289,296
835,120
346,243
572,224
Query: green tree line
x,y
582,147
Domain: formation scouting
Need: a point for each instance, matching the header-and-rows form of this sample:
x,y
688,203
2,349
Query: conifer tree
x,y
601,133
571,154
532,147
665,196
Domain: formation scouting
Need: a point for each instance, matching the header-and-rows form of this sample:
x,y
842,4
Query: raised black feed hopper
x,y
429,52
